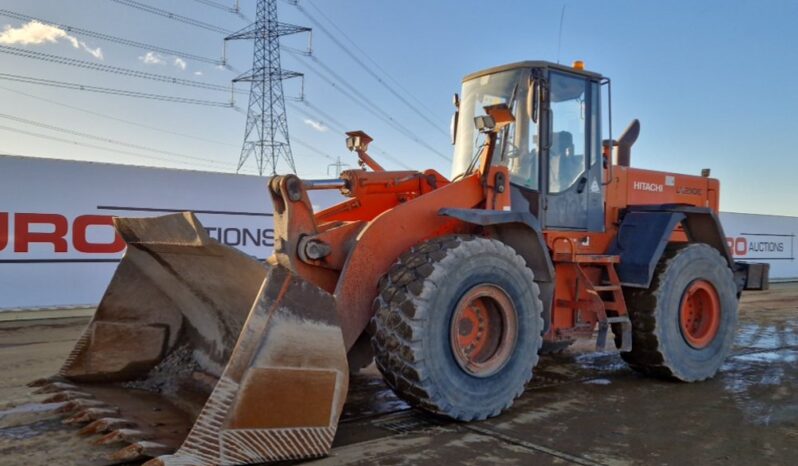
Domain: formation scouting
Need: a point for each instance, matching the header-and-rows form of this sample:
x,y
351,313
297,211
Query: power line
x,y
173,16
115,118
338,126
112,69
112,91
114,39
371,72
220,6
367,57
358,98
312,148
105,139
328,122
92,146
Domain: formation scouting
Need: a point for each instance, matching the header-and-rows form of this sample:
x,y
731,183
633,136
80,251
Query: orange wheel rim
x,y
484,330
699,316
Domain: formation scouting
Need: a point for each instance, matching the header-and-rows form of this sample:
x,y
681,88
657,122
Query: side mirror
x,y
455,118
532,99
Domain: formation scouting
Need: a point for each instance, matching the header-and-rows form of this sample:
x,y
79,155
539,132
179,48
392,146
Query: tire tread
x,y
402,307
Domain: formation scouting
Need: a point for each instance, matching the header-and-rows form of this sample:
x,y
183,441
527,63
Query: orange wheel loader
x,y
199,355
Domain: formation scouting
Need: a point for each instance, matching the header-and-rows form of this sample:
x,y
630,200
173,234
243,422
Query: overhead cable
x,y
92,146
112,91
358,98
114,39
363,53
220,6
335,124
173,16
371,72
114,69
105,139
106,116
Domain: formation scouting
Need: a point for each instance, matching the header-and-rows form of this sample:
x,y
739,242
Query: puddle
x,y
761,386
597,382
30,408
601,362
766,336
31,430
782,356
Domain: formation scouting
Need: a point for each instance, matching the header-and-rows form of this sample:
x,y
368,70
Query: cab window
x,y
567,154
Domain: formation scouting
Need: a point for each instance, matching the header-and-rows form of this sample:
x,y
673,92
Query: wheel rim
x,y
483,330
700,314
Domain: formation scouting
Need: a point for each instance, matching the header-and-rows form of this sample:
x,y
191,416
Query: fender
x,y
521,231
386,237
644,233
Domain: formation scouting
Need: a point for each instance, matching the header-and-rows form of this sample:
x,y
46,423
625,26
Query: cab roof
x,y
532,64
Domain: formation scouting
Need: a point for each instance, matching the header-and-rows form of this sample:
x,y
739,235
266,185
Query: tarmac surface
x,y
582,407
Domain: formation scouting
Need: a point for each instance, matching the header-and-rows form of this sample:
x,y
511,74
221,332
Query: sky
x,y
712,82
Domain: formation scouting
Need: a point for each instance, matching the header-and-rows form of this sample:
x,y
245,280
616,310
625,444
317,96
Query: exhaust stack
x,y
625,143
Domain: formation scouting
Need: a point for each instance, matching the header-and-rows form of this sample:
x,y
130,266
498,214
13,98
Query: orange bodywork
x,y
628,187
389,212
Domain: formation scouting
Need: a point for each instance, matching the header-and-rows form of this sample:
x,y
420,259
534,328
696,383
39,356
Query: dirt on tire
x,y
410,327
658,347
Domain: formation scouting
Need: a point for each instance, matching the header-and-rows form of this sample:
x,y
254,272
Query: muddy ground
x,y
582,407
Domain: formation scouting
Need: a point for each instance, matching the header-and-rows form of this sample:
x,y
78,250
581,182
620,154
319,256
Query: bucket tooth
x,y
123,436
44,381
54,387
106,424
140,450
68,395
91,414
70,407
157,462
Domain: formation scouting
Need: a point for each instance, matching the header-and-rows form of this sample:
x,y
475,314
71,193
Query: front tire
x,y
683,325
457,327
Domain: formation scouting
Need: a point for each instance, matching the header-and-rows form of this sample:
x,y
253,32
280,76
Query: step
x,y
597,259
618,320
607,287
590,259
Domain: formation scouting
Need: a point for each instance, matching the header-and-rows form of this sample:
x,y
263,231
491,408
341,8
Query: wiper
x,y
506,130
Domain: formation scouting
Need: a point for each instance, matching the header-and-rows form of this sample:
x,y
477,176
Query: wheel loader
x,y
200,355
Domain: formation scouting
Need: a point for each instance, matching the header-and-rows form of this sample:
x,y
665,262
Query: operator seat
x,y
564,165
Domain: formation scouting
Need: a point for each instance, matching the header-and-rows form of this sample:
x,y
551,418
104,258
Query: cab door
x,y
574,197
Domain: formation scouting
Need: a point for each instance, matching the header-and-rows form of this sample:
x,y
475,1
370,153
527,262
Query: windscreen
x,y
516,144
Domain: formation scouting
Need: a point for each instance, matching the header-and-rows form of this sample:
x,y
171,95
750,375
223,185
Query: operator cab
x,y
553,148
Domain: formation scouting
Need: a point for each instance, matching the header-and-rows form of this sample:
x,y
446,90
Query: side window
x,y
567,154
595,123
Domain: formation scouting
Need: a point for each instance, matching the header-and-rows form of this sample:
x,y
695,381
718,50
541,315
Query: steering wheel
x,y
511,151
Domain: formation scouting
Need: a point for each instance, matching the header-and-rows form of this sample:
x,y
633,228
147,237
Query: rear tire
x,y
683,325
457,327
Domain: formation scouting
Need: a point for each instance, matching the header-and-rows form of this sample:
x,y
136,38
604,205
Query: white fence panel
x,y
57,247
763,238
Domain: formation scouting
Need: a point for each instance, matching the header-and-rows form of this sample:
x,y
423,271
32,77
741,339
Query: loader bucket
x,y
200,355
